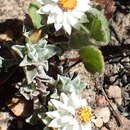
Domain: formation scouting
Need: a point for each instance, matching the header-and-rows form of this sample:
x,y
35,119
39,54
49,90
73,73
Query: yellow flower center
x,y
83,115
67,5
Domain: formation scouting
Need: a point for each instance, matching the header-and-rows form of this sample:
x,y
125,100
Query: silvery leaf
x,y
45,65
30,73
55,95
45,120
19,49
46,128
67,85
29,91
32,52
33,119
26,62
42,74
41,43
26,34
25,92
78,84
48,52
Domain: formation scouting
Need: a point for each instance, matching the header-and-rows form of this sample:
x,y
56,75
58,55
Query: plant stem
x,y
70,59
85,29
67,69
117,117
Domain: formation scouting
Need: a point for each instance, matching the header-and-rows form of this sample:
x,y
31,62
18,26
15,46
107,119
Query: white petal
x,y
60,106
47,1
45,9
44,1
67,28
57,26
55,1
83,102
73,122
72,20
40,1
87,126
67,127
70,110
83,5
57,104
66,25
64,98
75,100
59,18
55,123
56,9
66,119
77,14
76,126
51,19
53,114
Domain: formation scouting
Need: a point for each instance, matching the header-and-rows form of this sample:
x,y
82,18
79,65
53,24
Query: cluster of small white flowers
x,y
65,13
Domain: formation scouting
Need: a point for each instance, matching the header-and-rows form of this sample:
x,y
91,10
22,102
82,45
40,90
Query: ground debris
x,y
20,107
115,92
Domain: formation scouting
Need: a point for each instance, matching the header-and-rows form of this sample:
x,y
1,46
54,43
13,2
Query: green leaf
x,y
92,58
78,39
96,31
98,27
37,19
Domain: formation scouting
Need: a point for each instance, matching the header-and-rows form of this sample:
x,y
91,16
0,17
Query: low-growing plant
x,y
59,26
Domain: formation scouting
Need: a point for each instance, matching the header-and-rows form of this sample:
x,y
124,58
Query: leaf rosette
x,y
35,55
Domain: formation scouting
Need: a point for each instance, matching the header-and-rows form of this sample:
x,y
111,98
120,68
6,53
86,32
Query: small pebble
x,y
104,128
127,41
113,78
116,60
124,79
98,123
101,101
127,59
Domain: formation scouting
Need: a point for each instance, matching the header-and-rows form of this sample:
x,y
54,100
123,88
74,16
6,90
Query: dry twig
x,y
116,115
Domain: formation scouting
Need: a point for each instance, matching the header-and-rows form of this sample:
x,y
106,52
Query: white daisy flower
x,y
65,13
72,113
